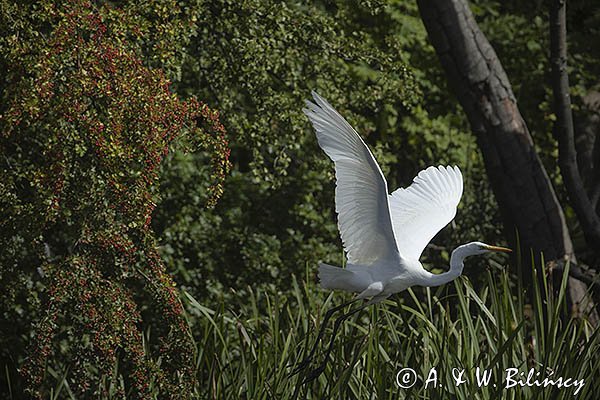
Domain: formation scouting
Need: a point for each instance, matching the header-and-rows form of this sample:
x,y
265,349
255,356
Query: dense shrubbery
x,y
258,63
85,125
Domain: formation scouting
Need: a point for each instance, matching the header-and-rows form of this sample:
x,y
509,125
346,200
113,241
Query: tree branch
x,y
563,128
578,271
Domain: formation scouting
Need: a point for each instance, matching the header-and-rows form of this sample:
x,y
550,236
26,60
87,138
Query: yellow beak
x,y
498,248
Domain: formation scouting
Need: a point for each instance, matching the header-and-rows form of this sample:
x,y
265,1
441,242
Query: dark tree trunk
x,y
528,204
563,128
587,145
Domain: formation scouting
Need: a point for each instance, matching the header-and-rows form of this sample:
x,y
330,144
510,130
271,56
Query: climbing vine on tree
x,y
85,122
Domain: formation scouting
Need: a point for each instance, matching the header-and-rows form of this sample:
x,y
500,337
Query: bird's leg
x,y
311,354
314,374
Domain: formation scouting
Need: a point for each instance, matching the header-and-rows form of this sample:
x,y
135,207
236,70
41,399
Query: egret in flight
x,y
383,234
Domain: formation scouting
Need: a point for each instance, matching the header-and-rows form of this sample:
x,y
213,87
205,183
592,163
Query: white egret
x,y
383,234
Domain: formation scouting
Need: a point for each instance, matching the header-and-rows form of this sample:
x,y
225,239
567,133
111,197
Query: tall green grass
x,y
247,349
248,344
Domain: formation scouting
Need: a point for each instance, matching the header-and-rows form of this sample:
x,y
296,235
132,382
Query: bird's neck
x,y
456,268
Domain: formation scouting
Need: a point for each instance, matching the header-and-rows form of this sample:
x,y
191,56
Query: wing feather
x,y
361,194
424,208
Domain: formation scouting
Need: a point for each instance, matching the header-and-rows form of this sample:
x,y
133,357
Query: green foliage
x,y
247,345
88,122
258,63
84,127
247,348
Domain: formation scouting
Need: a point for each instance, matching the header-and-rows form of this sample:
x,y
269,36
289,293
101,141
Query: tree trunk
x,y
563,127
587,145
529,207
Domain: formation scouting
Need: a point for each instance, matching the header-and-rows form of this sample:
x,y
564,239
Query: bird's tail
x,y
335,277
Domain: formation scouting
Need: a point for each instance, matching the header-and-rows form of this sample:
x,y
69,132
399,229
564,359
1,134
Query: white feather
x,y
424,208
361,195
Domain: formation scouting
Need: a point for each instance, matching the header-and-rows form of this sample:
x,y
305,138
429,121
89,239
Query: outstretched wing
x,y
361,196
425,207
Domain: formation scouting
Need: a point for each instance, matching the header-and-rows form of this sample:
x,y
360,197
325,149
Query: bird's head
x,y
477,248
471,249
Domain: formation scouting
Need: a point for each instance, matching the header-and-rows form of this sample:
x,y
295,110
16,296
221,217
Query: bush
x,y
84,128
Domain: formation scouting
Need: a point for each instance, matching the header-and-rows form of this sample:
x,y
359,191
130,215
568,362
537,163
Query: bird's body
x,y
384,278
383,234
379,279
